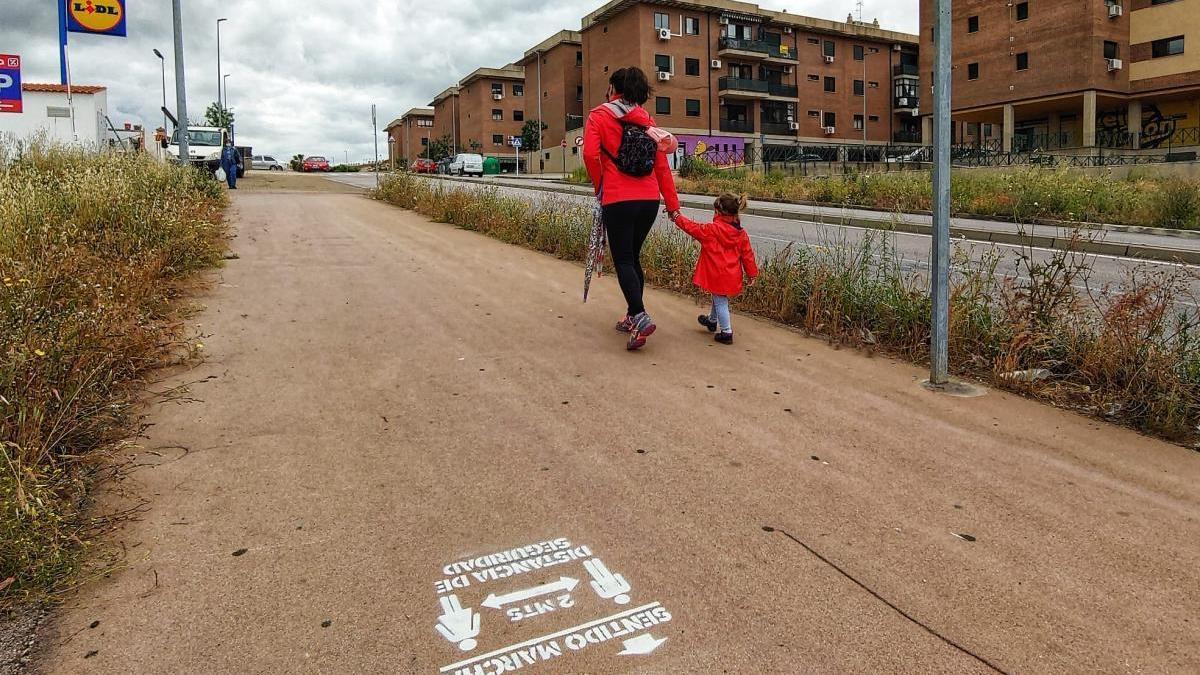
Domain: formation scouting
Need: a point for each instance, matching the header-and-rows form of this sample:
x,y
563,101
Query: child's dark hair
x,y
631,84
730,204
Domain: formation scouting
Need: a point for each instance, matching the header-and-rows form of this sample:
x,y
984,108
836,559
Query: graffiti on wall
x,y
1157,128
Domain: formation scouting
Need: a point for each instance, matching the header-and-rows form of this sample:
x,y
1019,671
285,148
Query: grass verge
x,y
1142,199
93,250
1131,357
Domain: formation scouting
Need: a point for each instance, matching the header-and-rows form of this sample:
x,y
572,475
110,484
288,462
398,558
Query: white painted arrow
x,y
641,645
564,584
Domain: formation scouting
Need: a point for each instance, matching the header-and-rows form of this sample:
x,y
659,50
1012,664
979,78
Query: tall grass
x,y
1132,356
1054,194
93,248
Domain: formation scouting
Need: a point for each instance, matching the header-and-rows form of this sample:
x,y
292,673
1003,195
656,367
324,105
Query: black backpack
x,y
637,153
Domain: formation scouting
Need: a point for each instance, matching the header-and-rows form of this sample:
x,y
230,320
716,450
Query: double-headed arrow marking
x,y
563,585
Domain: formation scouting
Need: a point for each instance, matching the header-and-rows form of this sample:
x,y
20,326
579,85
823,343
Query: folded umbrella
x,y
594,262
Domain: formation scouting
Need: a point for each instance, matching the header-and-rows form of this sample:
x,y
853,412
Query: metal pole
x,y
180,89
163,62
541,140
864,152
375,138
940,255
220,102
225,90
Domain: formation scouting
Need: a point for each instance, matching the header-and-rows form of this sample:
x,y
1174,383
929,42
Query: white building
x,y
46,110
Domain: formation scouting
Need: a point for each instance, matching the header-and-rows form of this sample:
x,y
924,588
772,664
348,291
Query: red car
x,y
424,166
315,163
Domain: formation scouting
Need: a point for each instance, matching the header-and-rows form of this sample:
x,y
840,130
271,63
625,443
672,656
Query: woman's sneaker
x,y
708,323
724,338
642,328
625,325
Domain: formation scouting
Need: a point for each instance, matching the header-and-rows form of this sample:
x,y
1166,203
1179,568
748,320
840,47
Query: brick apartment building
x,y
491,106
446,116
727,74
410,135
1044,74
554,73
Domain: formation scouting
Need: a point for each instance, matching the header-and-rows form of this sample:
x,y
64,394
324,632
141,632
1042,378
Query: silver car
x,y
266,163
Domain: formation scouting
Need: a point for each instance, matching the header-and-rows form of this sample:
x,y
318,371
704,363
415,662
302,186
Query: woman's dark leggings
x,y
628,224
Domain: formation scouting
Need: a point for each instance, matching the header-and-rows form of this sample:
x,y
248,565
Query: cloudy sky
x,y
305,73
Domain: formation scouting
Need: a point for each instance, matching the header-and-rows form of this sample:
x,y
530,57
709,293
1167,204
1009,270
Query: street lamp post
x,y
163,61
866,52
181,113
220,80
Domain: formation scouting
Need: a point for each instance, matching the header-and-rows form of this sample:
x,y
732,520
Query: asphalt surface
x,y
403,428
910,251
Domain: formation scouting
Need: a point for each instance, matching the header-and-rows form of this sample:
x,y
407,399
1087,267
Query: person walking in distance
x,y
231,158
629,174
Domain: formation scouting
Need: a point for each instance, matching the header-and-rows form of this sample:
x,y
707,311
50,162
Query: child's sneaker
x,y
707,323
625,325
724,338
642,328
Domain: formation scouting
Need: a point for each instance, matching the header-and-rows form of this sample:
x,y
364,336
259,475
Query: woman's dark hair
x,y
631,84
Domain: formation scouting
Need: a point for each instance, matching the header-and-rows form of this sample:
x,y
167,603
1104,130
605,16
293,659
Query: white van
x,y
467,164
204,146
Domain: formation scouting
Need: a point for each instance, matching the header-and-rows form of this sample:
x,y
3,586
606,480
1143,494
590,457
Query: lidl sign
x,y
10,83
99,17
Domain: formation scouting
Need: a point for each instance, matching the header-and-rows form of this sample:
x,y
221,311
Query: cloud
x,y
304,73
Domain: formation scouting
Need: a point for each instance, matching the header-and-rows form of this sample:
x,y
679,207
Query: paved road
x,y
403,426
911,250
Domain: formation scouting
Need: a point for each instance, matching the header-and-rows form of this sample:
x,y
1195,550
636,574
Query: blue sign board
x,y
10,83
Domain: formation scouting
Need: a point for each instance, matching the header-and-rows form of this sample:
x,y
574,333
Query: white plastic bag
x,y
219,174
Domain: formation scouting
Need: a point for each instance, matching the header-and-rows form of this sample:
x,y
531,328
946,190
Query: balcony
x,y
737,126
906,103
901,70
907,136
777,128
574,122
782,90
754,49
736,87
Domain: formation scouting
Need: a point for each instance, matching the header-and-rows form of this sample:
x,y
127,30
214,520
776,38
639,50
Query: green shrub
x,y
579,176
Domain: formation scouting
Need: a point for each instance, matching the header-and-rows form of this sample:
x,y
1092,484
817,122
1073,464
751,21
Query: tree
x,y
297,162
218,117
531,135
476,146
440,147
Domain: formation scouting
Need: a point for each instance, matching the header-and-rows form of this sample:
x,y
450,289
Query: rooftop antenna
x,y
860,10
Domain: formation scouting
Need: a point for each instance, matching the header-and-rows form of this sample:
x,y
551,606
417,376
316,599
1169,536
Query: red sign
x,y
10,83
564,143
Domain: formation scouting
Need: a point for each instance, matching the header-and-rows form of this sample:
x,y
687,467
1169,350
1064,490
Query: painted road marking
x,y
576,638
553,597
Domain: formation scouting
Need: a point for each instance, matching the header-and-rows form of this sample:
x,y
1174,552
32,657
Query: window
x,y
497,139
518,115
858,122
873,118
830,120
662,105
424,140
1166,47
814,78
661,20
873,85
691,25
814,113
497,115
662,63
579,59
497,88
859,54
693,107
814,41
972,24
518,90
579,92
1111,50
972,71
1022,11
828,49
831,84
858,88
1023,61
691,66
987,130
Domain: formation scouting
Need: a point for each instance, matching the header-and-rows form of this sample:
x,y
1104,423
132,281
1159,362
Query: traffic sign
x,y
579,141
515,142
564,143
10,83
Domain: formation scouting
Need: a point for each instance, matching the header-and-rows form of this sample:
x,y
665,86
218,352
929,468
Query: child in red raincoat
x,y
725,253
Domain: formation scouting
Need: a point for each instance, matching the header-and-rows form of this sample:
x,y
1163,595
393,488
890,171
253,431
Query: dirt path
x,y
399,418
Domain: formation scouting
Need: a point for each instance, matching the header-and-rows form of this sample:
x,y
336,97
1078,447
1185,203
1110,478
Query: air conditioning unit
x,y
829,131
897,48
787,30
664,76
716,64
1114,64
916,112
1115,11
724,21
828,59
793,126
664,33
497,97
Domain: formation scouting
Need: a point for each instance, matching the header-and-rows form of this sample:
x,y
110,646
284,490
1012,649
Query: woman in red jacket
x,y
725,253
630,202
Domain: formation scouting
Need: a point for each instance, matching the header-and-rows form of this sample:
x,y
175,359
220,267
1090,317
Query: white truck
x,y
204,146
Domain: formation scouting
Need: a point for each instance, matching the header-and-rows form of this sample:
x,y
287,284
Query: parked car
x,y
316,163
443,165
917,155
467,164
265,163
424,166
